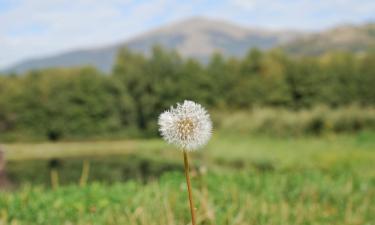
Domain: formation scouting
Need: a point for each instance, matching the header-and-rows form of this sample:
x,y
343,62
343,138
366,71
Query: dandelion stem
x,y
187,175
85,173
54,178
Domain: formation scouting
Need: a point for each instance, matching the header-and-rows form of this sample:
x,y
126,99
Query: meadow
x,y
238,179
294,141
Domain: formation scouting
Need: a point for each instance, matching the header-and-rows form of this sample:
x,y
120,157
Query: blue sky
x,y
34,28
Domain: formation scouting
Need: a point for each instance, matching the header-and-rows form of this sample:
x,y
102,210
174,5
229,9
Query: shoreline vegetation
x,y
140,157
261,121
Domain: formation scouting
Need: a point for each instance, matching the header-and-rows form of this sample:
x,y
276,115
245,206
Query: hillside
x,y
344,38
201,37
197,37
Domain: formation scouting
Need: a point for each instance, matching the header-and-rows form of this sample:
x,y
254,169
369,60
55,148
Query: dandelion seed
x,y
187,126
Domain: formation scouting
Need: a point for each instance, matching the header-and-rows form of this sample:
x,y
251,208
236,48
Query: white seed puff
x,y
188,126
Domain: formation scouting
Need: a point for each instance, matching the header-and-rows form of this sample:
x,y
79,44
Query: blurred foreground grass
x,y
250,180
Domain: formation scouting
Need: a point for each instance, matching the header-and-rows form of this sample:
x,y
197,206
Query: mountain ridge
x,y
200,37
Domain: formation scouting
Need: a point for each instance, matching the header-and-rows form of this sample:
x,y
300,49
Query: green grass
x,y
305,197
250,180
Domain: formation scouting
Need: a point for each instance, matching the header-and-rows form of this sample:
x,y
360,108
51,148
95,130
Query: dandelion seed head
x,y
188,126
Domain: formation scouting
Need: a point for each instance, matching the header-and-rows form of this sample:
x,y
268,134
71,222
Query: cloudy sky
x,y
34,28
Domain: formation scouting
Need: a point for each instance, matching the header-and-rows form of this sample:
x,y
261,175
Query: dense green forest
x,y
81,102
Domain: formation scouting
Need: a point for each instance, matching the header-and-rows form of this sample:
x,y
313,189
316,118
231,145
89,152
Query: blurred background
x,y
290,86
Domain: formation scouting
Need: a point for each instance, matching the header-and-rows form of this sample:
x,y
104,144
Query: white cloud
x,y
245,4
67,26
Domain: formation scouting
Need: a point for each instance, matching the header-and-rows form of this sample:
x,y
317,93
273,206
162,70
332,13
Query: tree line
x,y
83,102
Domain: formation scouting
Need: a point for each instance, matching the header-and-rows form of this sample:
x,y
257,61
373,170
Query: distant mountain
x,y
197,37
101,58
345,38
200,37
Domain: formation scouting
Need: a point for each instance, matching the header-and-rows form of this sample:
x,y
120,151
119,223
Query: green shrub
x,y
285,122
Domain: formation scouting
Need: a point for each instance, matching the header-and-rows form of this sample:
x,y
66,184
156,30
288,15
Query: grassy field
x,y
237,179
